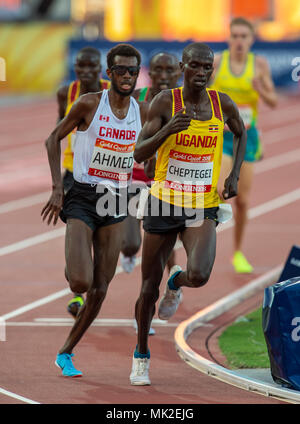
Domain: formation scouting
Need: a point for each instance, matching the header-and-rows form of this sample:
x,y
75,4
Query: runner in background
x,y
246,78
87,69
164,72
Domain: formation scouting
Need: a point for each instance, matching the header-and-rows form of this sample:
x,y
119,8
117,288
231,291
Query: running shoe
x,y
128,263
151,330
171,299
64,361
140,372
240,263
74,305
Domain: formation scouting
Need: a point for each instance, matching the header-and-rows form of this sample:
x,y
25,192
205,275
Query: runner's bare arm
x,y
263,82
149,164
236,125
149,167
144,107
61,96
159,125
79,116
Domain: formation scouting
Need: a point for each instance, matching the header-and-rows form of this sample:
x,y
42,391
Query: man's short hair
x,y
196,46
171,55
122,50
242,21
90,50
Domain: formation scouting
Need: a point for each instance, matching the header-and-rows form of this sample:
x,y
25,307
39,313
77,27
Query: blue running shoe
x,y
64,361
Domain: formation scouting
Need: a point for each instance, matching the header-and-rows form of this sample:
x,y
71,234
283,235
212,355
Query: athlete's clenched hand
x,y
53,206
230,186
180,121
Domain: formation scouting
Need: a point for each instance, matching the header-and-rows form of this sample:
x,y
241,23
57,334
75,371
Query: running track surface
x,y
32,268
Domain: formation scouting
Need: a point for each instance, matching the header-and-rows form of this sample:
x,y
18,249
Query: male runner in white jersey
x,y
87,69
108,124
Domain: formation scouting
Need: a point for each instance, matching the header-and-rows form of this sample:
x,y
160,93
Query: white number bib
x,y
190,173
112,160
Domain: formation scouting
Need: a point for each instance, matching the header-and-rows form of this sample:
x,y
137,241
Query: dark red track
x,y
104,355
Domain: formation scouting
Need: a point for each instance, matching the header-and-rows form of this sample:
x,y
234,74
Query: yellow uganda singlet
x,y
188,163
73,94
239,88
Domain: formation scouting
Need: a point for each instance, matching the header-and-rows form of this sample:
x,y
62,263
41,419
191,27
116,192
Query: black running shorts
x,y
96,209
68,180
161,217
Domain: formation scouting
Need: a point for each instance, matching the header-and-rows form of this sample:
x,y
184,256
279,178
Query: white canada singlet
x,y
104,152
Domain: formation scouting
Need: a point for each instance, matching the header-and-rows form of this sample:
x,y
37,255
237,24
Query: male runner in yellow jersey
x,y
245,77
164,72
185,127
87,68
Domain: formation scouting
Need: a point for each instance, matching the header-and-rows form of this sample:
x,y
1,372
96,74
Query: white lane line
x,y
271,205
277,161
103,322
48,299
36,304
24,202
32,241
281,115
285,132
124,321
18,397
69,324
254,212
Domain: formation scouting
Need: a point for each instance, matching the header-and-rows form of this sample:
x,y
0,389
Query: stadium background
x,y
39,39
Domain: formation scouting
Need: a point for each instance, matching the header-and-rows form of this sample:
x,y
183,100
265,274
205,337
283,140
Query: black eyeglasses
x,y
121,69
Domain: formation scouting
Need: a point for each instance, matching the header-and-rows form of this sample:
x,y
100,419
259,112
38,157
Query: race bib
x,y
112,161
246,115
190,173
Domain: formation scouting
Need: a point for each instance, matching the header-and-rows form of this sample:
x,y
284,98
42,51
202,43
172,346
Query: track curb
x,y
184,330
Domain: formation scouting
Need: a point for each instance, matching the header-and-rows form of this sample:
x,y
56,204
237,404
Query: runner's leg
x,y
78,252
172,260
132,236
242,203
131,243
156,250
107,245
200,246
